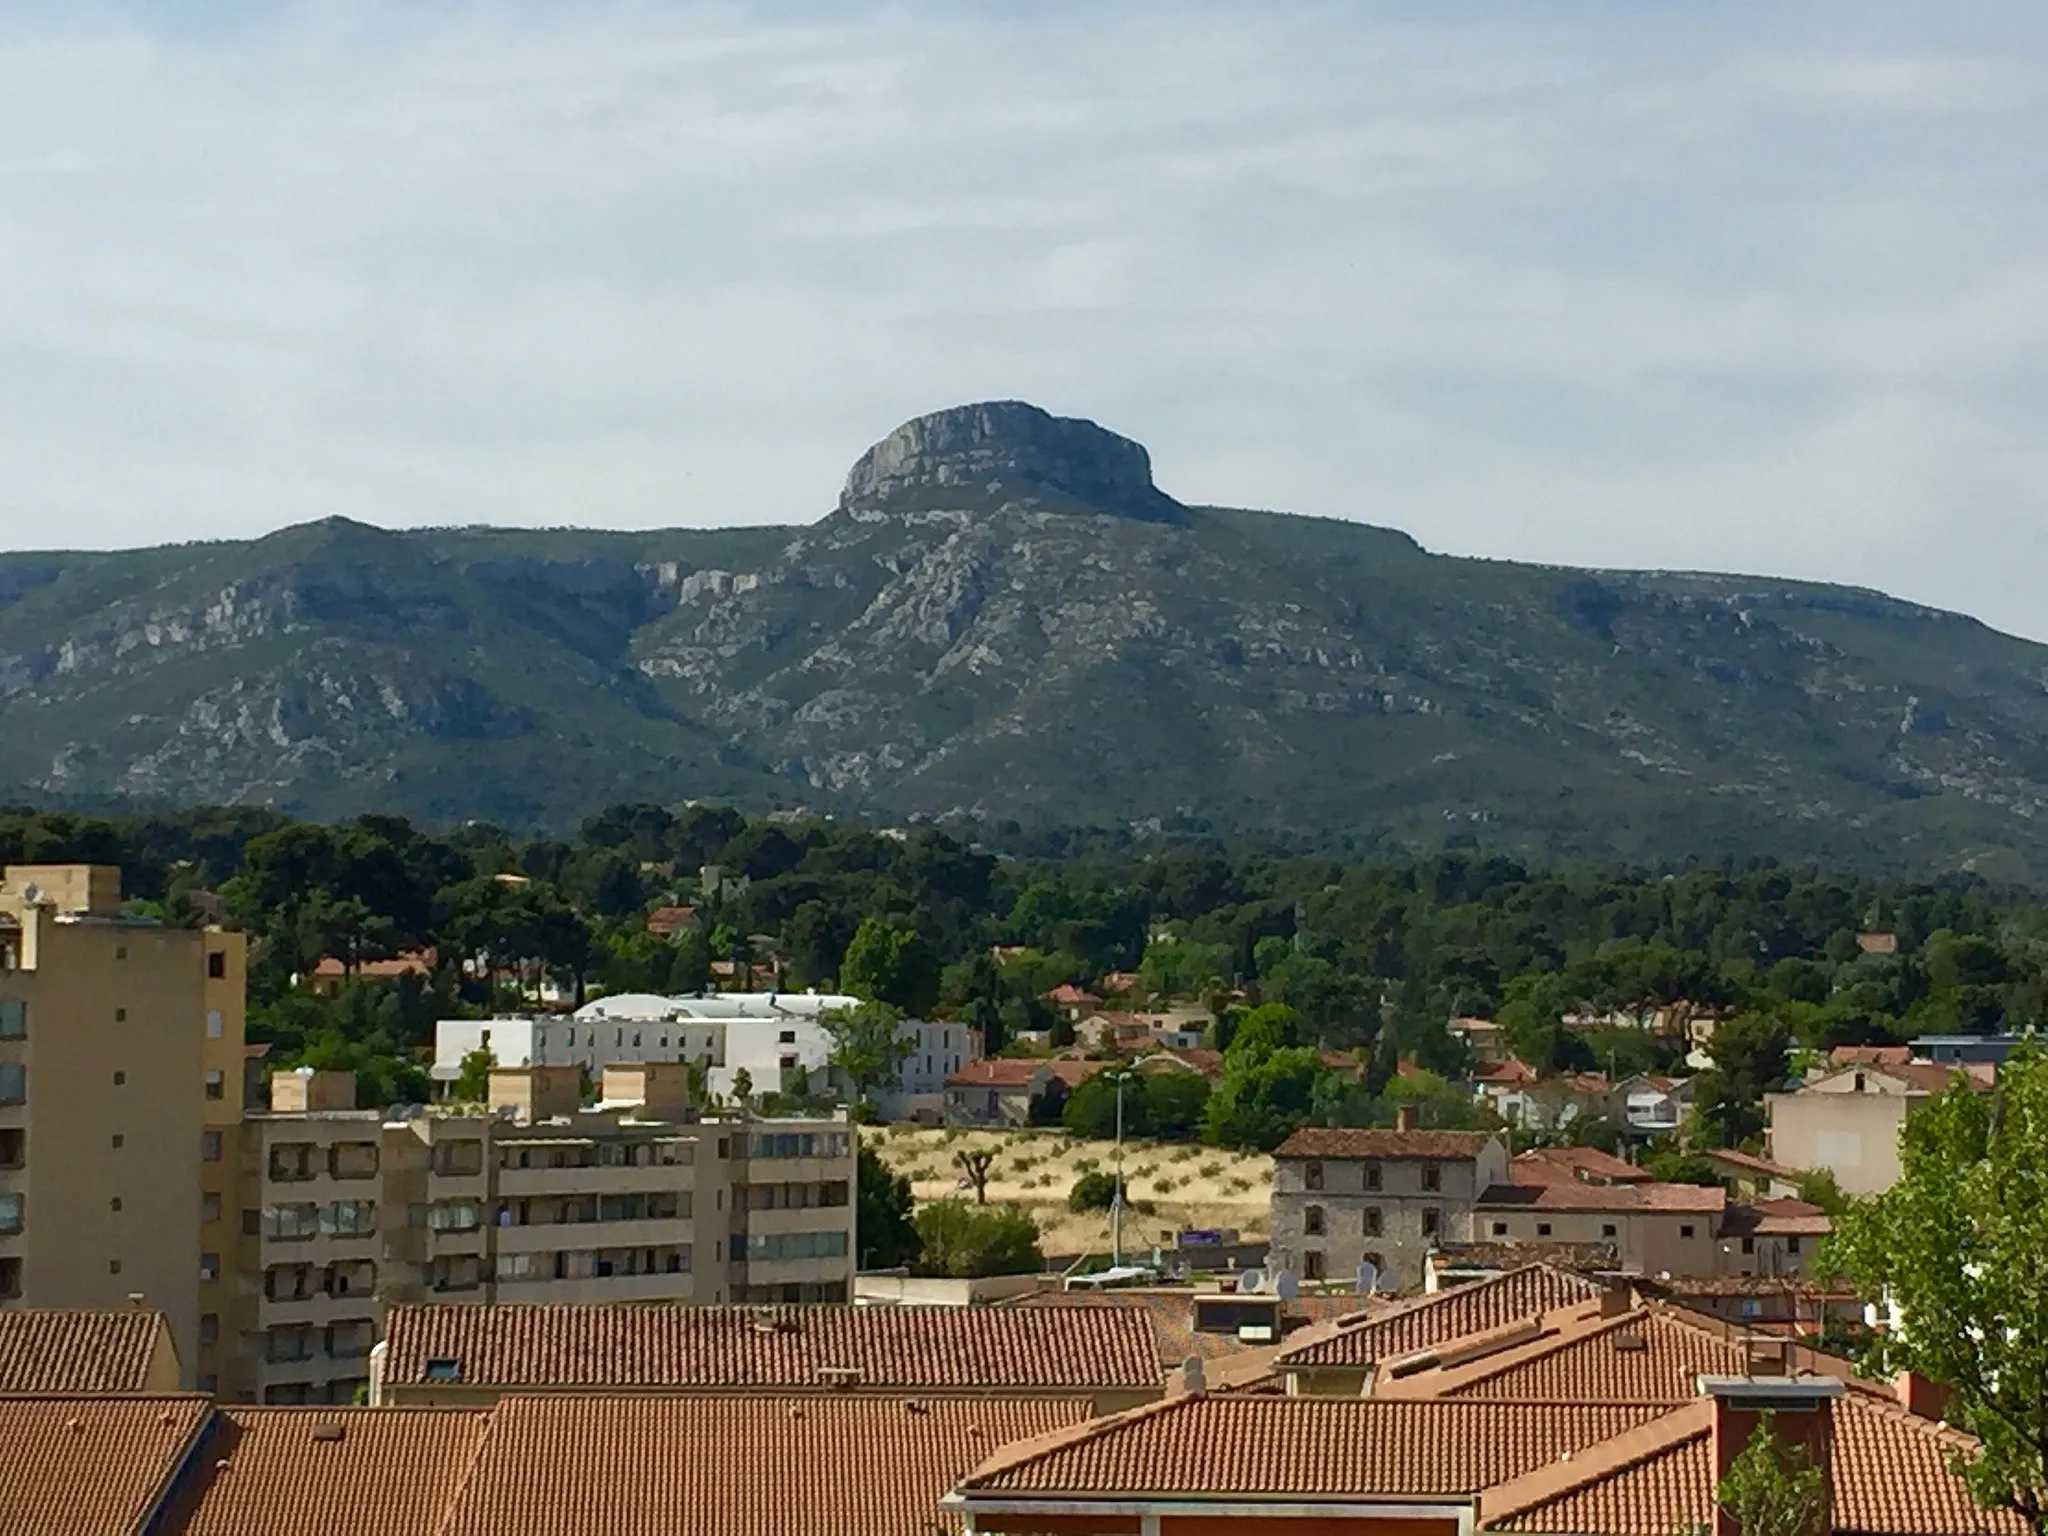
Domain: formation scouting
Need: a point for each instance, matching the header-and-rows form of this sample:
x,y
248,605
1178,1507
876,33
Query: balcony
x,y
554,1237
515,1183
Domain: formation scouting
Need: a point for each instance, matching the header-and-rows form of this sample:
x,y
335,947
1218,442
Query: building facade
x,y
533,1200
1346,1199
120,1081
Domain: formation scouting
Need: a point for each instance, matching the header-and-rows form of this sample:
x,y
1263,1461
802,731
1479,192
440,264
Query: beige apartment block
x,y
535,1200
112,1031
1848,1121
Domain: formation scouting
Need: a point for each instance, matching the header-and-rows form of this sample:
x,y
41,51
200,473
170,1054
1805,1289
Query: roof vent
x,y
915,1407
329,1430
1630,1341
840,1378
443,1368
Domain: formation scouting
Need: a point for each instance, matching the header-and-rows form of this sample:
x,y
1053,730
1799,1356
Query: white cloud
x,y
1747,288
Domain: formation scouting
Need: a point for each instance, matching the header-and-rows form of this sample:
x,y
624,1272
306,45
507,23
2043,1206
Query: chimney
x,y
1617,1296
304,1091
660,1090
1920,1396
1801,1414
1191,1374
536,1093
1404,1118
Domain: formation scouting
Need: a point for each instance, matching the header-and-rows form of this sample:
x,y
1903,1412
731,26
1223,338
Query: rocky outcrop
x,y
1014,447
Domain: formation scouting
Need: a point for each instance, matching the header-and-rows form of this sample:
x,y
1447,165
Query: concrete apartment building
x,y
771,1036
1847,1121
120,1082
537,1200
1343,1199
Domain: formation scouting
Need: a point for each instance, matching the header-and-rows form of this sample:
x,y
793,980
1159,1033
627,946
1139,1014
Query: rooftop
x,y
1573,1165
738,1349
1622,1199
1385,1146
78,1352
83,1466
1432,1320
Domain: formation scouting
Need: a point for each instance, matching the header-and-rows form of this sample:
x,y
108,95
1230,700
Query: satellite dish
x,y
1251,1280
1286,1285
1368,1278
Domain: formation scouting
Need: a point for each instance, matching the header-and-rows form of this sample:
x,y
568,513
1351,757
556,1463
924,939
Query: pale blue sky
x,y
1623,282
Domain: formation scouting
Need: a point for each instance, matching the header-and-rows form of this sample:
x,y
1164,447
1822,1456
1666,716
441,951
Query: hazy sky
x,y
1625,282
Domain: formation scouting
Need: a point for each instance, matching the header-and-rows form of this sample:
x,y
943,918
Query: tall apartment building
x,y
535,1201
120,1072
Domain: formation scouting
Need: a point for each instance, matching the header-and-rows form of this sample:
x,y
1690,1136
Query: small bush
x,y
1210,1170
1092,1192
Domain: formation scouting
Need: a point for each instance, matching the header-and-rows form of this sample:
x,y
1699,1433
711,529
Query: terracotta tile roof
x,y
1171,1314
1749,1162
1001,1072
1432,1320
1302,1447
1586,1258
334,1471
1681,1286
579,1466
1504,1073
1569,1165
91,1466
1891,1478
1639,1357
1621,1198
1775,1218
1195,1058
910,1349
1069,995
1871,1055
1388,1146
77,1351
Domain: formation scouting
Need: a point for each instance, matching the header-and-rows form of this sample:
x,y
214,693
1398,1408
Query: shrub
x,y
1092,1192
962,1240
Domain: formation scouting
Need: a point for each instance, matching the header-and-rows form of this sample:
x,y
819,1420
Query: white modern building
x,y
771,1036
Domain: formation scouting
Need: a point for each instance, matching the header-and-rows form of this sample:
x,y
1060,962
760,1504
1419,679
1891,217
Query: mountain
x,y
1005,616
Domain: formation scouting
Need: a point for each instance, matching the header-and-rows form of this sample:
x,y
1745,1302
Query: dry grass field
x,y
1187,1185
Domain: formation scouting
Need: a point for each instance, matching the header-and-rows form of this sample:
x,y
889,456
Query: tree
x,y
1959,1247
1262,1100
1093,1191
889,962
1091,1107
869,1045
965,1241
1751,1053
975,1166
1773,1489
888,1239
473,1080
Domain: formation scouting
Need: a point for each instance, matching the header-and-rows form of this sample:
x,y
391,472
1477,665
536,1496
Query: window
x,y
1312,1264
120,951
787,1037
1749,1245
461,1159
349,1218
1432,1220
1312,1221
1370,1221
209,1207
1372,1175
443,1368
291,1223
13,1083
1686,1230
119,1141
120,1015
114,1204
777,1247
213,1024
13,1021
216,1085
1543,1229
217,964
1312,1175
209,1328
1608,1229
209,1146
13,1148
1791,1245
113,1266
1432,1176
120,1079
1500,1229
10,1214
10,1277
252,1223
454,1216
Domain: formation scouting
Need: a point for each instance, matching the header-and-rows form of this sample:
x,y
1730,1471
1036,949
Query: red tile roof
x,y
1623,1199
1504,1073
1775,1218
1432,1320
334,1471
78,1351
1641,1356
91,1466
1013,1073
755,1466
1750,1163
1571,1165
711,1348
1386,1146
1251,1447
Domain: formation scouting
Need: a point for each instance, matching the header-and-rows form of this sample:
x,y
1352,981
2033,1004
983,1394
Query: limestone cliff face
x,y
1008,446
1005,617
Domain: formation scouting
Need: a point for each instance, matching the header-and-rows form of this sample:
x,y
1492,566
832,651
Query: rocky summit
x,y
1004,617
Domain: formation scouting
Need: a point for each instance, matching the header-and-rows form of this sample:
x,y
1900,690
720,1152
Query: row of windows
x,y
298,1220
1312,1175
780,1247
795,1197
605,1154
593,1263
301,1341
1315,1221
799,1144
294,1161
